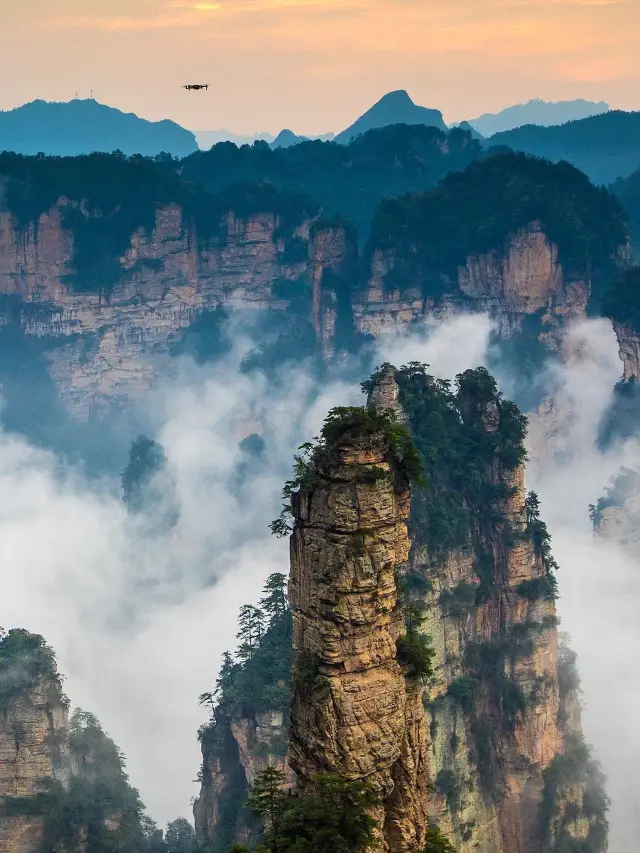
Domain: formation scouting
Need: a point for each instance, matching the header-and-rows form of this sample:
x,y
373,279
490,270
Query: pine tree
x,y
250,622
225,676
274,600
267,798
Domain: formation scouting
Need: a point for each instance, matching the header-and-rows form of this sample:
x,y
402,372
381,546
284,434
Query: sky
x,y
315,65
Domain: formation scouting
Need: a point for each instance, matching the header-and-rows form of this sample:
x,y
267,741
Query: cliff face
x,y
107,344
354,712
33,750
522,278
629,349
243,747
489,747
503,714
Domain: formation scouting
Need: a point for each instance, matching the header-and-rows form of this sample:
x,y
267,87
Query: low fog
x,y
139,623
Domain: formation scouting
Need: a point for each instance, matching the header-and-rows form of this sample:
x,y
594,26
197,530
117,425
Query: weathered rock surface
x,y
629,348
523,278
245,747
358,717
108,345
33,749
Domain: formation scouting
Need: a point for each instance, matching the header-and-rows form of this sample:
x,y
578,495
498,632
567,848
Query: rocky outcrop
x,y
501,715
629,348
522,278
354,712
105,345
490,748
33,750
108,343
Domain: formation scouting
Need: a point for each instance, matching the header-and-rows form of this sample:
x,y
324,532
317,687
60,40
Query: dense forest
x,y
628,191
90,802
474,211
605,146
348,180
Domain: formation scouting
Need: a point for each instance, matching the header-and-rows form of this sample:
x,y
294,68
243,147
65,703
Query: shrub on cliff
x,y
333,816
25,659
344,426
475,211
437,843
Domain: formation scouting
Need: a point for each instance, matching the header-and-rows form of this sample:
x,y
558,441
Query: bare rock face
x,y
501,715
629,348
353,711
109,341
33,749
523,278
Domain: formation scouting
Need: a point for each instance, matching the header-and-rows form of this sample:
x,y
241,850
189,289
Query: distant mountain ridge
x,y
83,126
538,112
394,108
605,147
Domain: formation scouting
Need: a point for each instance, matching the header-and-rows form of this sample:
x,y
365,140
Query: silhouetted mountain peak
x,y
393,108
286,138
84,125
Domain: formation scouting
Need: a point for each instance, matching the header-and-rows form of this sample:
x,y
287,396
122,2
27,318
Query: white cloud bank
x,y
139,626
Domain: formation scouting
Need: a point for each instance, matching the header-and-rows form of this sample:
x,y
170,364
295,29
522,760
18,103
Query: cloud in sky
x,y
316,64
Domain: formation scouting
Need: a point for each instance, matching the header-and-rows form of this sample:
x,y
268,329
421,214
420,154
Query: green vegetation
x,y
622,303
437,843
259,678
25,661
306,669
351,425
204,339
345,180
146,460
459,600
575,768
459,502
463,691
475,211
98,804
621,420
628,191
604,146
332,816
108,197
447,784
295,342
536,530
624,485
414,650
147,486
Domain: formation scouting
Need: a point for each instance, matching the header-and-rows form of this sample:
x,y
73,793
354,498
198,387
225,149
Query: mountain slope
x,y
605,147
83,126
536,111
394,108
286,138
628,191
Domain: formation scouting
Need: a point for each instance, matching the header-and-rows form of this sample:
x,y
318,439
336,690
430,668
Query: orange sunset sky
x,y
314,65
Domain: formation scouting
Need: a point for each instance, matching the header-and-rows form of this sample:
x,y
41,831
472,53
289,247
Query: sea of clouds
x,y
139,622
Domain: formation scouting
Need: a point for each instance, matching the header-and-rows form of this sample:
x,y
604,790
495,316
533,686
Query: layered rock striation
x,y
489,746
104,344
33,735
111,288
354,710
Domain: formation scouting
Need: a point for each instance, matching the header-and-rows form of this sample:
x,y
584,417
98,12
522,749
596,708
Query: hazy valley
x,y
428,634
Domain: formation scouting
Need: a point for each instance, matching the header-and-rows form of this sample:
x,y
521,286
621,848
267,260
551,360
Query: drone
x,y
196,86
